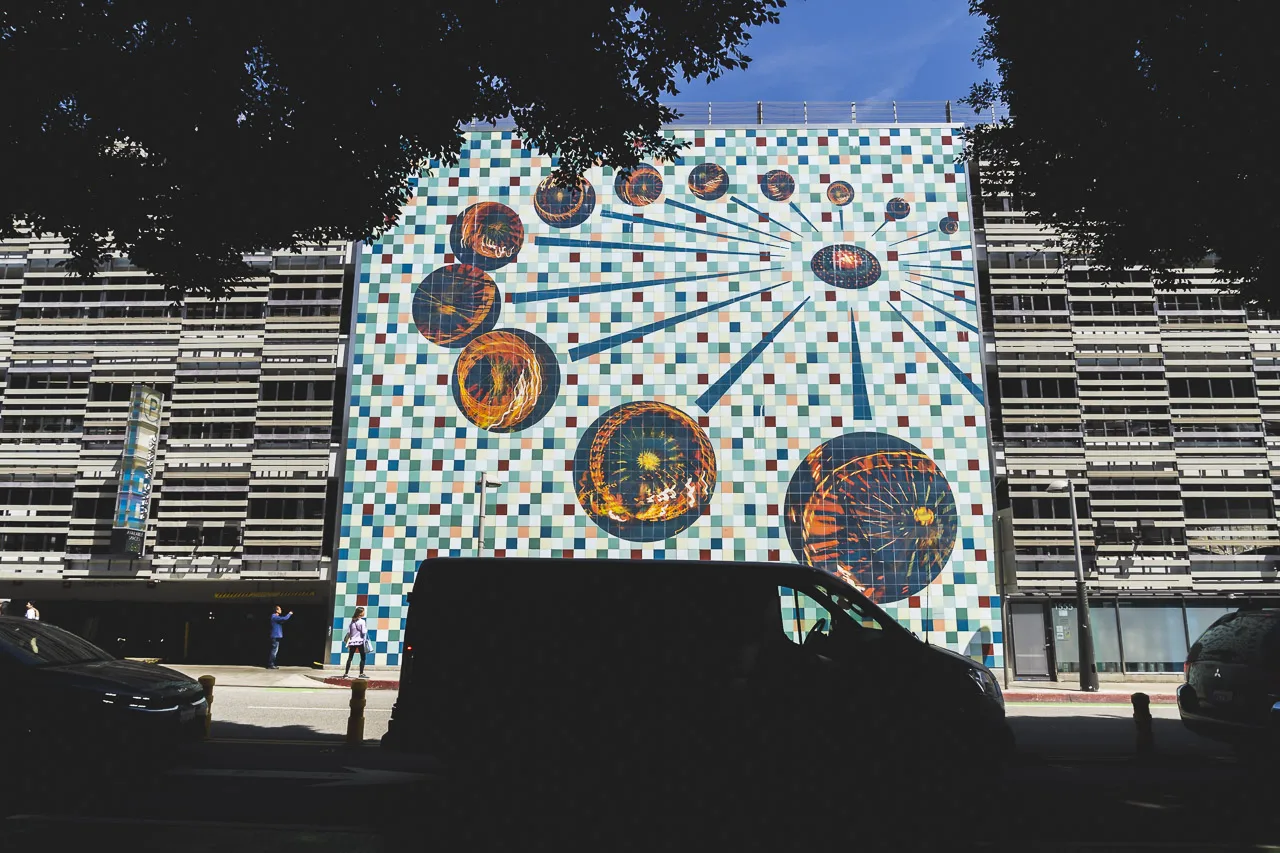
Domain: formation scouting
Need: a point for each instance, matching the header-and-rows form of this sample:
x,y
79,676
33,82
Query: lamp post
x,y
484,483
1084,626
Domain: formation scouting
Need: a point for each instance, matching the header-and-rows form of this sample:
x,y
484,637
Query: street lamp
x,y
484,483
1084,626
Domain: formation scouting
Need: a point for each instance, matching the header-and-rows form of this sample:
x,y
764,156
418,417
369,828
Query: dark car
x,y
632,675
63,697
1232,687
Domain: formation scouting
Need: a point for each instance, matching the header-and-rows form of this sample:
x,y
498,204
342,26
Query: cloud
x,y
915,47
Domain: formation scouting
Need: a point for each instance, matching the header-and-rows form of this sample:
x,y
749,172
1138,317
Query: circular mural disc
x,y
454,304
840,193
708,181
897,208
506,380
847,266
948,225
875,510
777,185
564,206
487,235
644,471
638,187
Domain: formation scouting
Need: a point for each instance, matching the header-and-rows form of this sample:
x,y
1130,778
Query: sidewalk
x,y
255,676
379,679
1114,692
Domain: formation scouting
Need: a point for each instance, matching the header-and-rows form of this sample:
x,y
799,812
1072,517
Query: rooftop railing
x,y
821,113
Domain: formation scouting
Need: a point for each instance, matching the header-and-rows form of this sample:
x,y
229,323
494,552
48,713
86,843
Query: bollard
x,y
1142,719
355,723
207,682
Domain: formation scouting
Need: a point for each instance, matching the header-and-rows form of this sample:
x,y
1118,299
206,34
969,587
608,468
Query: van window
x,y
800,613
1248,638
801,610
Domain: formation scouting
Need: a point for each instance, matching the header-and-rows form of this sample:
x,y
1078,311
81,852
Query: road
x,y
1077,786
1077,729
288,713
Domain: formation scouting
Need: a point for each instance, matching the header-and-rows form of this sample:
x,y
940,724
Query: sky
x,y
851,50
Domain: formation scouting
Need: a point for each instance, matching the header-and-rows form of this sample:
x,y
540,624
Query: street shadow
x,y
225,730
1092,734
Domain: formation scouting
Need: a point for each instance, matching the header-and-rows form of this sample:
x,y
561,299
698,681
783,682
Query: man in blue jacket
x,y
276,633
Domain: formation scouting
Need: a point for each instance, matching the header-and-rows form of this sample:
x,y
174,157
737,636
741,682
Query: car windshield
x,y
37,644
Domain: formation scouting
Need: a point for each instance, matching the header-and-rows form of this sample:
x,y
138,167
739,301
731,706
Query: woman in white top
x,y
357,635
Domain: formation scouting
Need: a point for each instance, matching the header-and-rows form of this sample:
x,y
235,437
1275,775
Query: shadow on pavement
x,y
1093,735
242,731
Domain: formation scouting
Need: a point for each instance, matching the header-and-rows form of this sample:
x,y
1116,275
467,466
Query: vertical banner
x,y
137,464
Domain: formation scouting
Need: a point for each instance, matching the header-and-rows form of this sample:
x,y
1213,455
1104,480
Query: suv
x,y
1232,689
664,669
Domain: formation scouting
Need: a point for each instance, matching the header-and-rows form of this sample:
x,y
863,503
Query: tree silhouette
x,y
185,135
1135,128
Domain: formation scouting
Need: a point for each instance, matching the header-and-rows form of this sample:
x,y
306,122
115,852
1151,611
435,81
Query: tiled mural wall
x,y
765,350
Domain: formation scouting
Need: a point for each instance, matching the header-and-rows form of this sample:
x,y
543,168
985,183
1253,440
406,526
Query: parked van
x,y
643,670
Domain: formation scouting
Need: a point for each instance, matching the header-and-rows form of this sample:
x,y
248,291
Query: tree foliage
x,y
186,134
1137,129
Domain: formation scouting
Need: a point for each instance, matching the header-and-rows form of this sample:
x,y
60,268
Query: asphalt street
x,y
1086,729
288,713
275,783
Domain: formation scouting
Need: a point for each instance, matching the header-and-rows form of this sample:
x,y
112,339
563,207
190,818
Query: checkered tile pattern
x,y
413,460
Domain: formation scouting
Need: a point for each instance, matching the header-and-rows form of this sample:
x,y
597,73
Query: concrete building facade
x,y
246,469
1163,408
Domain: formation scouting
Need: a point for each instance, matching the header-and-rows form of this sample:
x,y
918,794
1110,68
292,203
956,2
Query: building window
x,y
1155,638
33,541
1106,639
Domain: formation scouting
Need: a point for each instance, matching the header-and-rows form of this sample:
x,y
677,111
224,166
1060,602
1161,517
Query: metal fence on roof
x,y
821,113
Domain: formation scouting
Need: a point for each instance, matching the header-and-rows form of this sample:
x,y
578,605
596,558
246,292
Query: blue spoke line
x,y
736,200
944,358
723,219
943,311
938,249
882,225
658,223
935,267
806,219
616,340
842,219
583,290
721,386
939,278
858,375
632,247
914,237
944,292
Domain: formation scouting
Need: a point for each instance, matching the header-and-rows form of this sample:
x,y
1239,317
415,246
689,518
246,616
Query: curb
x,y
1065,696
374,683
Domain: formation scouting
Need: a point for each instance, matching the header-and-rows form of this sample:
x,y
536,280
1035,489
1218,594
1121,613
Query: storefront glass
x,y
1201,616
1154,637
1106,641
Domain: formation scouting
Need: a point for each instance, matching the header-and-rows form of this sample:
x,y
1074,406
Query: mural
x,y
876,511
644,471
767,349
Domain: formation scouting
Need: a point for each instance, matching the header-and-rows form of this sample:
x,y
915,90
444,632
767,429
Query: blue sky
x,y
845,50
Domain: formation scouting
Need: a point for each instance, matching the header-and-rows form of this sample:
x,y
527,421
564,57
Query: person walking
x,y
356,639
32,613
277,633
